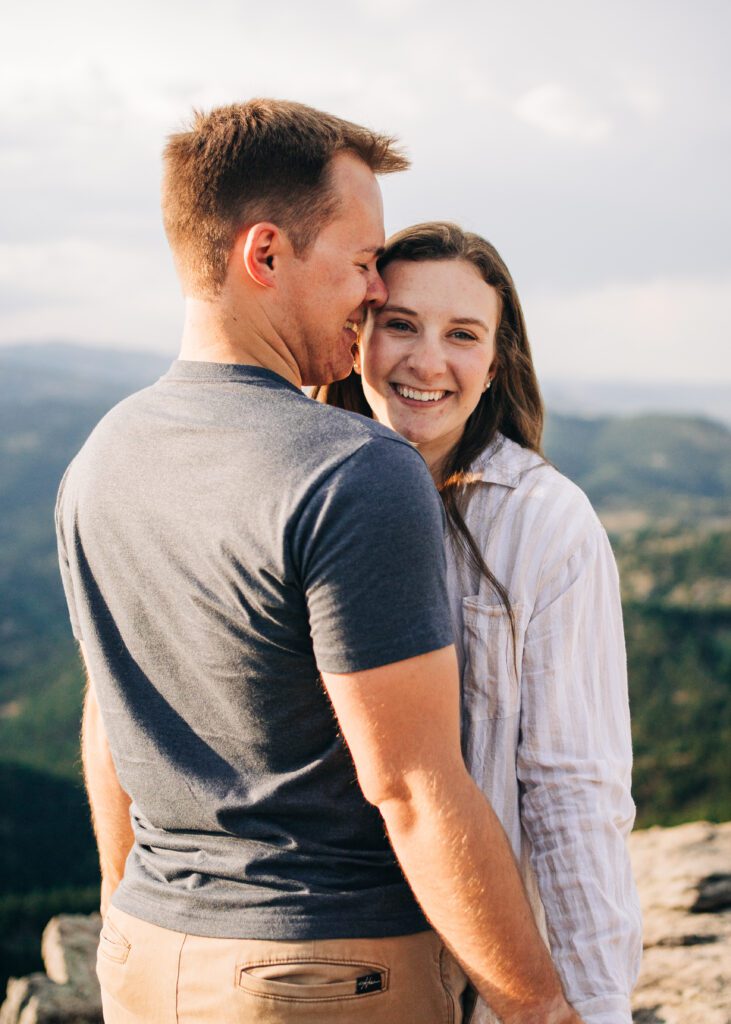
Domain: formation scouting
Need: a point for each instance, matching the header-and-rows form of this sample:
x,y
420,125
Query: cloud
x,y
667,329
644,98
561,113
89,291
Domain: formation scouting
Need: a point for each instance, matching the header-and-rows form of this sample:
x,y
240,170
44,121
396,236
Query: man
x,y
256,582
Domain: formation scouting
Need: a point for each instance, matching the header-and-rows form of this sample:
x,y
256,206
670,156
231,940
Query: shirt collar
x,y
504,462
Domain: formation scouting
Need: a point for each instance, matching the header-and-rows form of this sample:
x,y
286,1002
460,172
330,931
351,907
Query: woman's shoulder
x,y
537,492
507,463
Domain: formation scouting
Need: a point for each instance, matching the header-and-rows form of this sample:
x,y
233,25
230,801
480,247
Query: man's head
x,y
307,174
265,160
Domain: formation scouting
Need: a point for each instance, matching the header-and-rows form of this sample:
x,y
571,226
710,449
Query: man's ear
x,y
261,250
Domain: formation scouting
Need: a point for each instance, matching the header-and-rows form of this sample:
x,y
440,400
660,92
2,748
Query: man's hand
x,y
109,802
401,723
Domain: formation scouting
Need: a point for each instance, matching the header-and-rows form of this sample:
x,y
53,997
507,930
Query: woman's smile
x,y
419,397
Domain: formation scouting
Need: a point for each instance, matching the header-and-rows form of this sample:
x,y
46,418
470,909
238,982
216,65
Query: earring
x,y
488,383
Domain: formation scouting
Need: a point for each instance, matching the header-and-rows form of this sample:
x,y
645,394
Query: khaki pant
x,y
150,975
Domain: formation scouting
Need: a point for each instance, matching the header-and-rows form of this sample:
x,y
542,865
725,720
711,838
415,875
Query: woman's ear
x,y
356,358
491,374
262,245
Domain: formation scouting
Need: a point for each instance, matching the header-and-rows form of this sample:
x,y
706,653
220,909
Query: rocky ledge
x,y
684,878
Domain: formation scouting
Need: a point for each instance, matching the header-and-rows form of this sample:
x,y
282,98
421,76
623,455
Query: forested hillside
x,y
661,484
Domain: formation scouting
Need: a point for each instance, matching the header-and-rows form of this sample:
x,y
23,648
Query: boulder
x,y
68,993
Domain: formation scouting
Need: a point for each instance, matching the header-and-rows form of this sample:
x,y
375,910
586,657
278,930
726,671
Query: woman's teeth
x,y
418,396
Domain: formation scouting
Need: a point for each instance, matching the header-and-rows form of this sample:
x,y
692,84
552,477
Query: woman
x,y
534,592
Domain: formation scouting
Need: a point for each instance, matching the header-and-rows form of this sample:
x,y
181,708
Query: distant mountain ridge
x,y
642,459
710,400
52,395
575,398
65,370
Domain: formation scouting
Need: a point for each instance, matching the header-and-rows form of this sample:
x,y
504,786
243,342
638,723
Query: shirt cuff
x,y
604,1010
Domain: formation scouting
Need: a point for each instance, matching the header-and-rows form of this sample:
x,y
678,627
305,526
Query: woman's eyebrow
x,y
469,320
398,309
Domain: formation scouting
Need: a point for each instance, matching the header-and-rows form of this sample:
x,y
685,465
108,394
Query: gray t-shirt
x,y
222,538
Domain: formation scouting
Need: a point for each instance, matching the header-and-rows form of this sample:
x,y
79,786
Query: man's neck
x,y
213,334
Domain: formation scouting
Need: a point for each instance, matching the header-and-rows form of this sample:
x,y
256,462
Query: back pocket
x,y
491,679
306,981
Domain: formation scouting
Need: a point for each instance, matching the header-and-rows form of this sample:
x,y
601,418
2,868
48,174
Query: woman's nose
x,y
426,359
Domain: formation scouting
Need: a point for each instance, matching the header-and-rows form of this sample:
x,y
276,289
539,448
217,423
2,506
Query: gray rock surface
x,y
684,878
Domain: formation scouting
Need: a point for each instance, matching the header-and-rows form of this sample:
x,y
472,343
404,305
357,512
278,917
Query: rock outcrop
x,y
68,993
684,878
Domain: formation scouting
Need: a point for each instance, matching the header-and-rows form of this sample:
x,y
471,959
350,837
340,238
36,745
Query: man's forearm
x,y
109,802
401,723
458,861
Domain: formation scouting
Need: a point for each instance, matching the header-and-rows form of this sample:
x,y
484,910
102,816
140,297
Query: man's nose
x,y
377,292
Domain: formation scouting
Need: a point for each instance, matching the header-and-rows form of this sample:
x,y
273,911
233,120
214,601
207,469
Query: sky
x,y
589,141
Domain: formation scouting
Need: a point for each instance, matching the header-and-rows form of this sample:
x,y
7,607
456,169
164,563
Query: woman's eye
x,y
463,336
399,325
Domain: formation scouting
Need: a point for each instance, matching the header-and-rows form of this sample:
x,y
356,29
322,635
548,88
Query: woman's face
x,y
431,352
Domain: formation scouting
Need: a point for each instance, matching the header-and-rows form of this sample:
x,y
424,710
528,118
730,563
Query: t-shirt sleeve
x,y
369,547
63,560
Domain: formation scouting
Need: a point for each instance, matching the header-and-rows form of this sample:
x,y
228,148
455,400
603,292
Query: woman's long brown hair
x,y
512,406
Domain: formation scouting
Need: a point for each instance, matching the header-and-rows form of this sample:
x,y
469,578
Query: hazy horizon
x,y
587,397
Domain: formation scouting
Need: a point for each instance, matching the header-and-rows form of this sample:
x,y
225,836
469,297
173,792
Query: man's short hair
x,y
248,162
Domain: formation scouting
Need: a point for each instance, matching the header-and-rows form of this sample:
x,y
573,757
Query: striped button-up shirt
x,y
546,730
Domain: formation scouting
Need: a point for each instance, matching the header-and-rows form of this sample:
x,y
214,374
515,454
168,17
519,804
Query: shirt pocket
x,y
491,678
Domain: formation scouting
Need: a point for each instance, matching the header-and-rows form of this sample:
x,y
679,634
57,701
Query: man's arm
x,y
401,723
109,802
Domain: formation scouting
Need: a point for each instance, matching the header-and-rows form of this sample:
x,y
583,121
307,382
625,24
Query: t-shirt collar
x,y
198,370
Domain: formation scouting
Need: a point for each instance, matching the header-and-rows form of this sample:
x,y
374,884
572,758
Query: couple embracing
x,y
356,733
